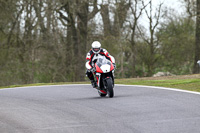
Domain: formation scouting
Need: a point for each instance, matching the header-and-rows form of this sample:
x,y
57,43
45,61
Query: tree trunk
x,y
106,20
151,41
82,38
136,12
197,44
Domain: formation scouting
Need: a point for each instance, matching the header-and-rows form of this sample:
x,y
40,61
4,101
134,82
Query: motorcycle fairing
x,y
98,69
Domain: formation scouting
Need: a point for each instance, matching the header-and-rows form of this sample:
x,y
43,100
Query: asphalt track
x,y
79,109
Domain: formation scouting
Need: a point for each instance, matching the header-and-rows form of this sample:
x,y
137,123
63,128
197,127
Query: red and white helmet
x,y
96,47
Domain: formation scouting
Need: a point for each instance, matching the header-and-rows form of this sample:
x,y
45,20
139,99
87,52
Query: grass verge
x,y
185,82
42,84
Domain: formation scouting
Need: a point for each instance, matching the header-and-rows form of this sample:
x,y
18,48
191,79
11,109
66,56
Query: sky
x,y
176,5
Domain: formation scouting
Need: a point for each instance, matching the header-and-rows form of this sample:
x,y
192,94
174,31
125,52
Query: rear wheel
x,y
110,87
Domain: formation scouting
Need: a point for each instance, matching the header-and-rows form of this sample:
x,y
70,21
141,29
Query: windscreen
x,y
102,60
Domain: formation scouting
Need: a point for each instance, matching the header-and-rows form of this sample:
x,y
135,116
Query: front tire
x,y
101,94
110,87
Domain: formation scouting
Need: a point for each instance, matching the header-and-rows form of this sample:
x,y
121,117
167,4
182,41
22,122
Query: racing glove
x,y
93,69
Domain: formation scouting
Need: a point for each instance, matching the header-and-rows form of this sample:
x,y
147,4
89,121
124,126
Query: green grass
x,y
185,82
42,84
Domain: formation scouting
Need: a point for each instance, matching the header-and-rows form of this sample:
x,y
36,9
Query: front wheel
x,y
109,86
101,94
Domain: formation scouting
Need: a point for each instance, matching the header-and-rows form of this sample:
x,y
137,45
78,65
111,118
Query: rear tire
x,y
110,87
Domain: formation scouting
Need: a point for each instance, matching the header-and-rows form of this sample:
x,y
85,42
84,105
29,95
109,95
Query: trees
x,y
152,41
137,7
113,29
193,11
77,31
177,41
46,41
197,43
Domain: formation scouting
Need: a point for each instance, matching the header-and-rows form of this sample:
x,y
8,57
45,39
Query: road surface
x,y
79,109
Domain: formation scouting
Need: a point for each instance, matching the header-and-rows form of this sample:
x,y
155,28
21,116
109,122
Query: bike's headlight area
x,y
105,68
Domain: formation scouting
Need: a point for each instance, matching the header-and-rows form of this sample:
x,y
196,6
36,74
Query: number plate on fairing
x,y
105,68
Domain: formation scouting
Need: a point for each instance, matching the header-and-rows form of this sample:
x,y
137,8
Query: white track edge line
x,y
154,87
162,88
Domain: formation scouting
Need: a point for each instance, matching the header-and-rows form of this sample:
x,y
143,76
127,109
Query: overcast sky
x,y
176,5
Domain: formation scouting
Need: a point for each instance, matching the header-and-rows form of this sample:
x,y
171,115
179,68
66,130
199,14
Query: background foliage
x,y
47,41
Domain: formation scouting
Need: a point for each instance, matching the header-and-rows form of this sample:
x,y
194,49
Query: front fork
x,y
97,79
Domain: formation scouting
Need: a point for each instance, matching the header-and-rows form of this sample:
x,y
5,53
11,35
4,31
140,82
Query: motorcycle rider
x,y
92,57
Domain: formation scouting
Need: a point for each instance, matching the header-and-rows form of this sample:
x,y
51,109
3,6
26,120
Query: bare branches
x,y
62,16
190,6
13,26
157,17
94,11
134,10
151,41
143,35
149,17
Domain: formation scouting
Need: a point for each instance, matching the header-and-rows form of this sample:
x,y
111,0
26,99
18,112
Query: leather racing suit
x,y
92,58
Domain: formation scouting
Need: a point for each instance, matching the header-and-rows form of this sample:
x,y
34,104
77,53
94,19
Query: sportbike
x,y
104,77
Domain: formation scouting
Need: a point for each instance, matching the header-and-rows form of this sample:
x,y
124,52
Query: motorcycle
x,y
104,77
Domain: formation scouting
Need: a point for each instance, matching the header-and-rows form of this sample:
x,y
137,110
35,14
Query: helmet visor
x,y
96,49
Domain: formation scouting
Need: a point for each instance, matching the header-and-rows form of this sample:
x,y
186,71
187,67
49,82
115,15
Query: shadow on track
x,y
103,98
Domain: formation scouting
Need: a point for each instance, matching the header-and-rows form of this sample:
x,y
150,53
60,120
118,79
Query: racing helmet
x,y
96,47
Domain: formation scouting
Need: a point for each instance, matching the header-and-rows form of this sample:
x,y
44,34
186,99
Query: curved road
x,y
79,109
